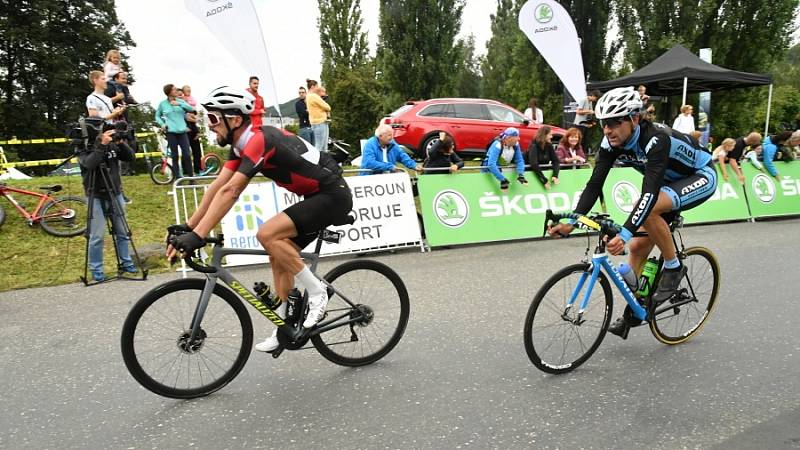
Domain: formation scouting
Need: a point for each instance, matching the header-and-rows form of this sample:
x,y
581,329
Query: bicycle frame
x,y
599,262
30,217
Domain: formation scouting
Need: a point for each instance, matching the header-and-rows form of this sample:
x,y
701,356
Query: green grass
x,y
33,258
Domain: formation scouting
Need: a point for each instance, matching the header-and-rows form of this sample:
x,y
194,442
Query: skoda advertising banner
x,y
470,207
623,188
770,197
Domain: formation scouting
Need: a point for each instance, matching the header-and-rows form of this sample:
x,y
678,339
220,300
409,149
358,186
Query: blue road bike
x,y
569,317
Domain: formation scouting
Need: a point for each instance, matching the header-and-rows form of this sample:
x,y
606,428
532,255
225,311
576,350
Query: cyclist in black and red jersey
x,y
293,164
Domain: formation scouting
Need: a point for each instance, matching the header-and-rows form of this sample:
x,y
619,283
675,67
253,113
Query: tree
x,y
343,42
467,78
47,48
417,47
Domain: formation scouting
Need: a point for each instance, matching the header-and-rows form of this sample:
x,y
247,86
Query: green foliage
x,y
785,111
292,128
47,48
787,71
417,48
354,95
344,44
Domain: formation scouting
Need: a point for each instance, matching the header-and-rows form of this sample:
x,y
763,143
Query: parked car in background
x,y
472,123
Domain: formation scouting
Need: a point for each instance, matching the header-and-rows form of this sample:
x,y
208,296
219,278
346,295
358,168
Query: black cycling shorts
x,y
318,211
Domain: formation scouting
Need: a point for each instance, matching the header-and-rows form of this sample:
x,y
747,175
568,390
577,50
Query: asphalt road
x,y
460,377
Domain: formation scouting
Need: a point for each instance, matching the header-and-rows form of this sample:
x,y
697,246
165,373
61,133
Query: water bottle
x,y
294,305
629,276
648,276
264,293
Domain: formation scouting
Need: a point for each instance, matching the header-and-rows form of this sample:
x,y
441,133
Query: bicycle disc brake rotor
x,y
194,346
288,343
364,315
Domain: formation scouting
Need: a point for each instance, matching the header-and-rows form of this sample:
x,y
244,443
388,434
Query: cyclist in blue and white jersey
x,y
678,175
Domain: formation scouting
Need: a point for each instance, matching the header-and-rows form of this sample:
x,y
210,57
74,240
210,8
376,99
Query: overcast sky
x,y
172,46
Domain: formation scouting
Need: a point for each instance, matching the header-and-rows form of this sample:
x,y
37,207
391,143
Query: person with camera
x,y
98,104
102,184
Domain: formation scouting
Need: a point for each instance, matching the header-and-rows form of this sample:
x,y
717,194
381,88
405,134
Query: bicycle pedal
x,y
277,352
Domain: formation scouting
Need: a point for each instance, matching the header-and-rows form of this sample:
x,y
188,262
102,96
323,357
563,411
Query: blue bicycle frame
x,y
600,261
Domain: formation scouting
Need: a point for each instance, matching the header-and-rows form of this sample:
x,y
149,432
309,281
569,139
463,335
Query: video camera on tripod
x,y
83,134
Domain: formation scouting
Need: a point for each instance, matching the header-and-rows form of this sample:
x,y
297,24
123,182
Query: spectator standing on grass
x,y
443,156
257,116
98,104
381,154
533,113
584,116
540,151
685,121
304,126
570,151
171,117
185,93
318,110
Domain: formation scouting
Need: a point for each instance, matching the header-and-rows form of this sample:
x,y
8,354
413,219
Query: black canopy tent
x,y
681,71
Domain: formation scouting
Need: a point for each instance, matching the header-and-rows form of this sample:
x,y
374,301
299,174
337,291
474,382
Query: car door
x,y
471,120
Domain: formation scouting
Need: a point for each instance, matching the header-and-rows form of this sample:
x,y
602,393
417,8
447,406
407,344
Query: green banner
x,y
466,208
770,197
623,187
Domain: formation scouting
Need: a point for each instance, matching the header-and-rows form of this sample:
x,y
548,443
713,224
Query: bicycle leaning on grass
x,y
188,338
568,317
63,216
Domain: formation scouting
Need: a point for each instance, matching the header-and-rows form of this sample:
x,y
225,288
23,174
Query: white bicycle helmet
x,y
230,100
619,102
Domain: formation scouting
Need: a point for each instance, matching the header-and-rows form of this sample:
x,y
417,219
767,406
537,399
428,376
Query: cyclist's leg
x,y
657,228
639,249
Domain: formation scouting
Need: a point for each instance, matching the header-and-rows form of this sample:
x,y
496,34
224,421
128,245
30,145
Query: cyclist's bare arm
x,y
222,179
223,201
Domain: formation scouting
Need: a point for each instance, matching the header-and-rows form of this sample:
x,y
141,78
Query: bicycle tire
x,y
162,174
332,344
536,350
141,370
212,164
2,215
65,216
677,325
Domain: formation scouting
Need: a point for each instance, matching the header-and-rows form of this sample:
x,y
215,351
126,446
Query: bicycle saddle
x,y
345,220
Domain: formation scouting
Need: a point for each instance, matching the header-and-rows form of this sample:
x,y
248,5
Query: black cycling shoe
x,y
623,325
669,283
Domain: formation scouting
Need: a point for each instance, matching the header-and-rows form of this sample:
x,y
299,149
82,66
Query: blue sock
x,y
672,263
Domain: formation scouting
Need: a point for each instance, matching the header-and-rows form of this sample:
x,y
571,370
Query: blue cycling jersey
x,y
660,153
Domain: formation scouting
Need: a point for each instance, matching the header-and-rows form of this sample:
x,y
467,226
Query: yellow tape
x,y
48,162
54,140
589,222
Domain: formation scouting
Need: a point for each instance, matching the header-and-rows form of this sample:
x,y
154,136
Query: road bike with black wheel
x,y
570,315
63,216
191,337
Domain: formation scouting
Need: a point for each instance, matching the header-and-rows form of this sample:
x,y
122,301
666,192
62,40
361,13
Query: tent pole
x,y
769,105
685,85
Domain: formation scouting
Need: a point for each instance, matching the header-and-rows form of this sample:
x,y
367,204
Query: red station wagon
x,y
472,123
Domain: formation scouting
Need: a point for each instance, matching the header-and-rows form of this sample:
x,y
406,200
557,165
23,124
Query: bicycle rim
x,y
555,343
677,324
161,174
65,216
381,305
155,343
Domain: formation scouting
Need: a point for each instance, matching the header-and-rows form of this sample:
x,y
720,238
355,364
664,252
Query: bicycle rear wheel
x,y
554,340
212,164
65,216
381,304
155,340
162,174
696,297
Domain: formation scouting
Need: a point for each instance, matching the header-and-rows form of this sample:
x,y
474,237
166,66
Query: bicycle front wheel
x,y
155,340
65,216
557,339
162,174
378,299
677,320
212,164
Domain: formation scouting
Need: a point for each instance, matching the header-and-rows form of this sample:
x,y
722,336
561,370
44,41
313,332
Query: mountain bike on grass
x,y
63,216
568,317
188,338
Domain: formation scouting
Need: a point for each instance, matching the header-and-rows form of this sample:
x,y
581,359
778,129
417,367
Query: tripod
x,y
111,207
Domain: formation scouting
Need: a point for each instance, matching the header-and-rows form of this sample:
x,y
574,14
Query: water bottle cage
x,y
334,237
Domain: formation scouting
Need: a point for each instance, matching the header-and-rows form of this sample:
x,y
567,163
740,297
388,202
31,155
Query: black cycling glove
x,y
504,184
522,179
188,242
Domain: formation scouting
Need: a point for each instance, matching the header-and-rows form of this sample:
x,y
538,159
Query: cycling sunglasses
x,y
215,118
613,122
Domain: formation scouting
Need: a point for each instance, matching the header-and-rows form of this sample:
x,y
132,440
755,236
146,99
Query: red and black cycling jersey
x,y
289,161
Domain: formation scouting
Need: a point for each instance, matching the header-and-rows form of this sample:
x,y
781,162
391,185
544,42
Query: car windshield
x,y
400,110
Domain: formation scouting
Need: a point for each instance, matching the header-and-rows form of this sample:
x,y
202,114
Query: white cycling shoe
x,y
316,309
271,343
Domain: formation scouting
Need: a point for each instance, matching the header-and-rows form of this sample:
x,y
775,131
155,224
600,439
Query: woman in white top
x,y
684,122
533,113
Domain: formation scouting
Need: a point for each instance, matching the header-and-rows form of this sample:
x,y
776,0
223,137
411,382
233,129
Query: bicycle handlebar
x,y
597,222
216,240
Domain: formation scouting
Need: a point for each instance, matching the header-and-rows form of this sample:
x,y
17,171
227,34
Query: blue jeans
x,y
101,207
174,140
306,133
320,136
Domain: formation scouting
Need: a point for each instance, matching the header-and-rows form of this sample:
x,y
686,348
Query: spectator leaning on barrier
x,y
443,156
256,117
771,146
541,151
506,146
318,111
721,153
685,121
790,150
170,116
304,127
736,154
569,149
381,154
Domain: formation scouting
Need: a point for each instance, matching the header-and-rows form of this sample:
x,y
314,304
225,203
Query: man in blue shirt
x,y
381,154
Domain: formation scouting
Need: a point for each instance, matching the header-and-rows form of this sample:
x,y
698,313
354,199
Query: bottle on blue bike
x,y
648,276
629,276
